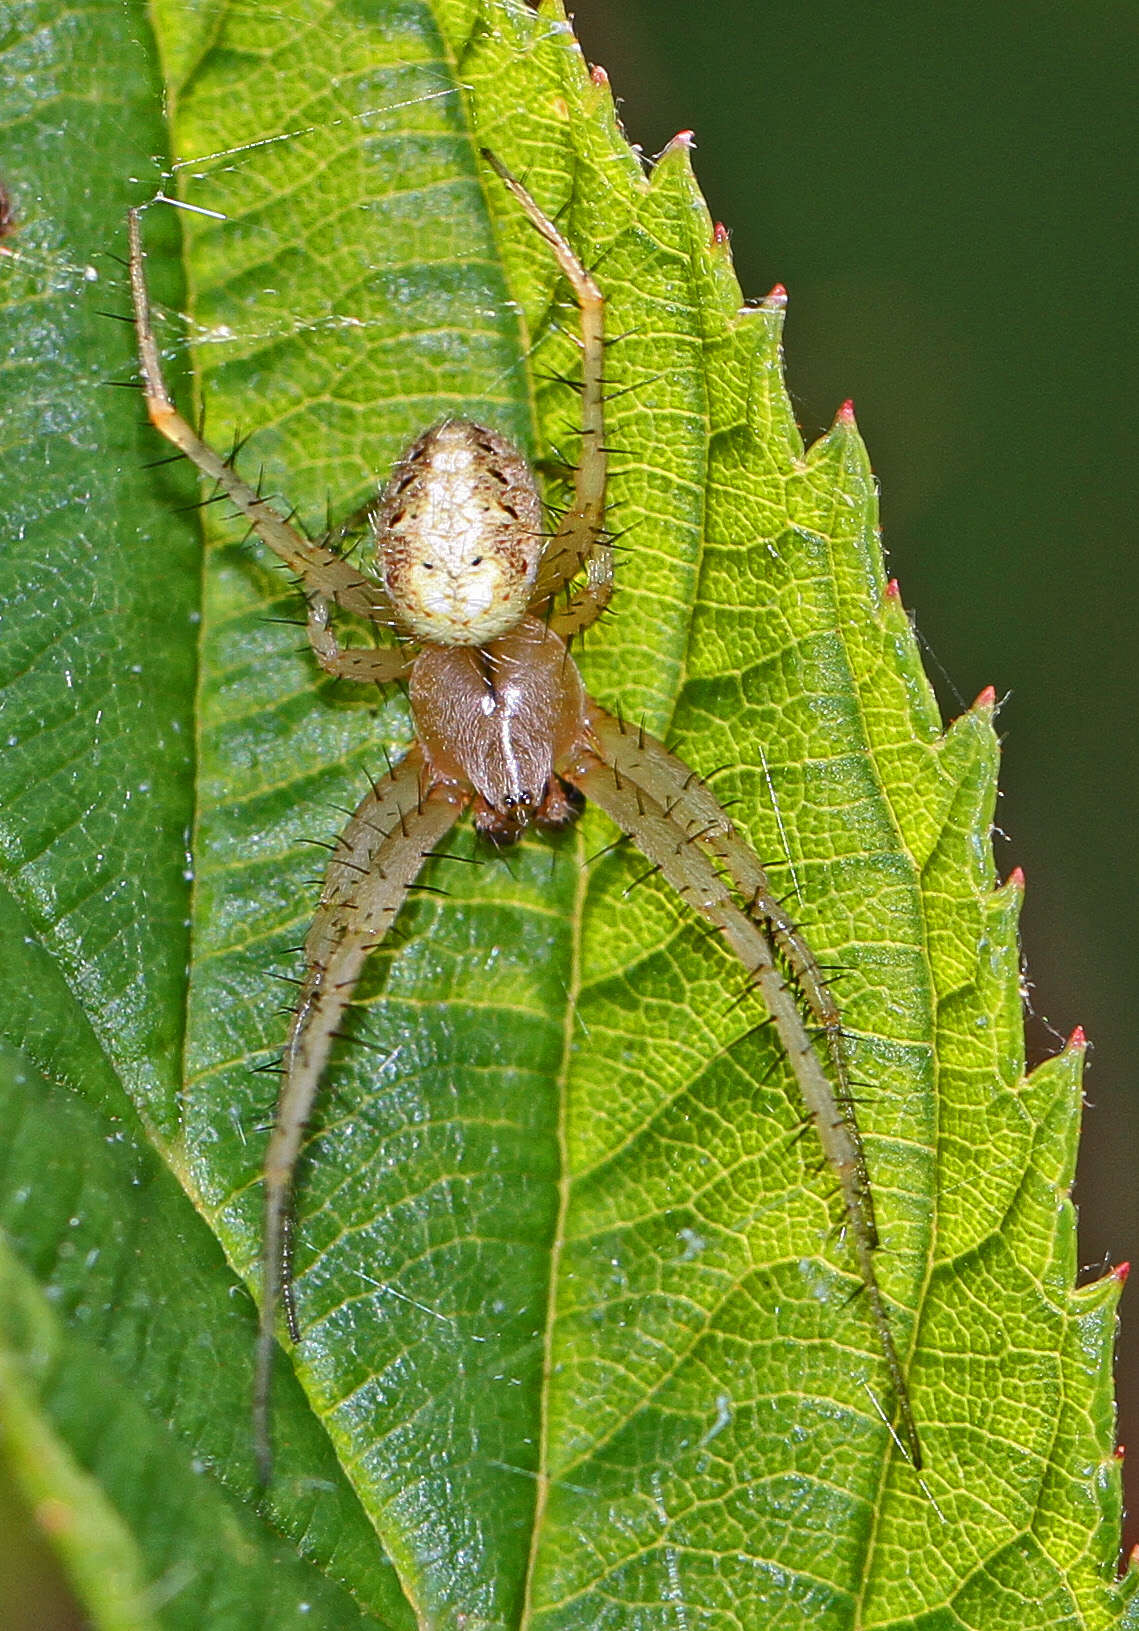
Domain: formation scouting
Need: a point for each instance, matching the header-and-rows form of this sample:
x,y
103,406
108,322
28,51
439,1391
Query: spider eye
x,y
429,566
477,561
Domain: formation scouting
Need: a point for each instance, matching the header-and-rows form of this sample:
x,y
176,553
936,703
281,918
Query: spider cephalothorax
x,y
504,719
484,602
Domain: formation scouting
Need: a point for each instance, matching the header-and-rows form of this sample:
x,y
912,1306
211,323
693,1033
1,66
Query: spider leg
x,y
377,859
376,664
353,524
371,665
667,842
640,757
321,569
749,878
580,540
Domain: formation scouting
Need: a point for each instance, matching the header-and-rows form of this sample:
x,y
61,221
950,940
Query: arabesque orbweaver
x,y
482,603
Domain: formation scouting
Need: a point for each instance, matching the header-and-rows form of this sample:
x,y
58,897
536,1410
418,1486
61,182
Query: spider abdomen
x,y
501,719
459,534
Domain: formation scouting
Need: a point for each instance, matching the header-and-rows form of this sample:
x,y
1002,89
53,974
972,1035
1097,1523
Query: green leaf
x,y
578,1340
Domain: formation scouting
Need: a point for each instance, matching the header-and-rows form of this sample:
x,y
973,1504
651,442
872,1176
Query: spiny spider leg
x,y
376,665
749,878
377,859
354,525
684,864
580,539
636,754
321,569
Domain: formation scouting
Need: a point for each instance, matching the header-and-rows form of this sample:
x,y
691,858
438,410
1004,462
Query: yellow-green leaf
x,y
579,1348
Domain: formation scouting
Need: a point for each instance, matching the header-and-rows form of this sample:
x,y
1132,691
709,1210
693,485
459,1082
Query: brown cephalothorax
x,y
483,603
502,719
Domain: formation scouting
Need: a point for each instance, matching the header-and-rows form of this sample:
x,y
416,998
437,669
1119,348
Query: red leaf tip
x,y
845,415
1077,1039
1016,877
892,590
720,233
683,139
598,75
986,699
1120,1272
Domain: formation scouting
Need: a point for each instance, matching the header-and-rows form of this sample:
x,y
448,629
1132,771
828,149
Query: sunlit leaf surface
x,y
579,1348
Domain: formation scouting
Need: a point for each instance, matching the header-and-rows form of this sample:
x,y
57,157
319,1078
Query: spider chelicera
x,y
482,601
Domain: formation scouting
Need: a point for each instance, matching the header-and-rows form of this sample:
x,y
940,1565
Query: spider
x,y
483,603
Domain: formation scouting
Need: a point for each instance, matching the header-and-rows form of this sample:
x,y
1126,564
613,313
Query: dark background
x,y
949,195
